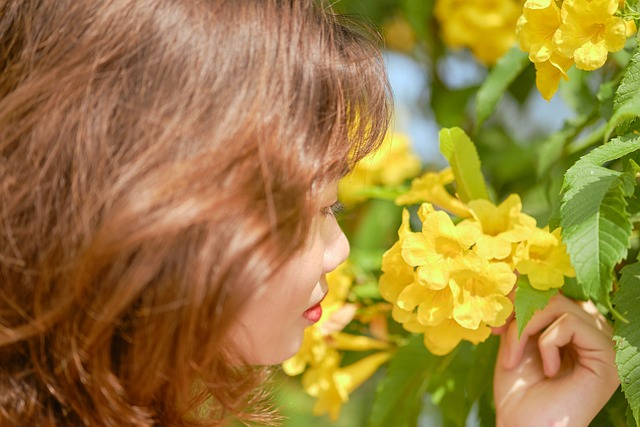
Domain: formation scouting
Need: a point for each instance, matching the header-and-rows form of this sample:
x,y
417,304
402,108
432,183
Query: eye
x,y
334,210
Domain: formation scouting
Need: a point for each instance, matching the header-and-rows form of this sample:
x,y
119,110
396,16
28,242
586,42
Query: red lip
x,y
314,313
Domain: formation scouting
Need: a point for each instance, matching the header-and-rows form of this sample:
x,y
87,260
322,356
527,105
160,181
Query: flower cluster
x,y
559,34
319,358
486,27
451,281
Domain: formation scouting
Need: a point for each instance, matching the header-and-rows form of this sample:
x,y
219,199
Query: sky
x,y
409,81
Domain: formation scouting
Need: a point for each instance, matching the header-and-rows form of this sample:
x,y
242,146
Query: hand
x,y
560,373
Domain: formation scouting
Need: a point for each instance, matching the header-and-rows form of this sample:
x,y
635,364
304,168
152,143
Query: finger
x,y
501,330
558,305
601,323
594,349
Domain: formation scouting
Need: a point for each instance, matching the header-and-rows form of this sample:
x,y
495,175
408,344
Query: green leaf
x,y
528,301
572,290
594,219
481,375
398,400
626,103
630,84
626,112
627,336
448,385
550,151
448,105
497,82
576,92
378,222
463,158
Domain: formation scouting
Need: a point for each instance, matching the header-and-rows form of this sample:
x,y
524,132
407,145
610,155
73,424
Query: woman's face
x,y
271,326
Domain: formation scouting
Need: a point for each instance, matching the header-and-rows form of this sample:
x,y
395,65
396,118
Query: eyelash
x,y
334,210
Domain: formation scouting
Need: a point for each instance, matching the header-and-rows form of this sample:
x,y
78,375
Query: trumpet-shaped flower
x,y
396,273
331,384
319,358
430,188
502,225
589,31
487,27
439,242
433,306
550,72
392,164
480,289
544,259
484,26
536,27
443,338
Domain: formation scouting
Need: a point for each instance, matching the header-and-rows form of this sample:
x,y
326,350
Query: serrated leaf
x,y
627,335
613,150
398,400
594,220
497,82
463,158
626,104
626,112
630,84
572,290
529,300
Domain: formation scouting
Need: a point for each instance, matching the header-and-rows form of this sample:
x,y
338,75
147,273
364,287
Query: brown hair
x,y
157,159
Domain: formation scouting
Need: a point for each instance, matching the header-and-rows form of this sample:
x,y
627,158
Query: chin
x,y
278,352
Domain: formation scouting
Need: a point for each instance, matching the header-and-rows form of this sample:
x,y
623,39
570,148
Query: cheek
x,y
271,328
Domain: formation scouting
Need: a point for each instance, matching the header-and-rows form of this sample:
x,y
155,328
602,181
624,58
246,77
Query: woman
x,y
168,170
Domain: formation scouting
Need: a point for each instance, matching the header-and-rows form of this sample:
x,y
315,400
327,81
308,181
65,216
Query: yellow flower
x,y
339,282
350,342
396,273
430,188
631,28
487,27
544,259
443,338
336,314
502,225
440,287
313,350
539,21
398,34
480,290
589,31
549,73
391,165
331,384
439,242
320,382
433,307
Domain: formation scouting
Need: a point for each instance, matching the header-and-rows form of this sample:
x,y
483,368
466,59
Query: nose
x,y
336,247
